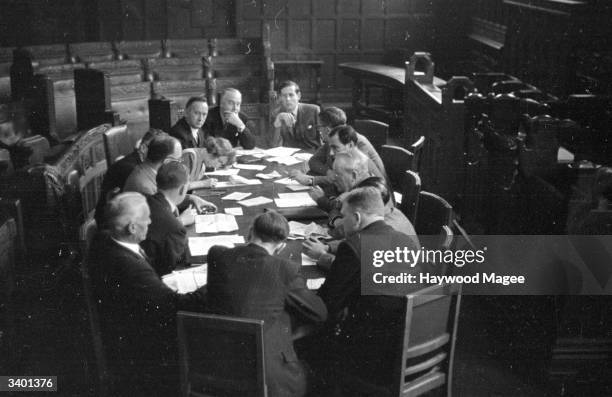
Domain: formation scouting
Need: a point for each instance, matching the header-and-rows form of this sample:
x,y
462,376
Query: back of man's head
x,y
270,227
121,210
346,134
145,141
161,147
352,160
332,117
366,201
171,175
379,184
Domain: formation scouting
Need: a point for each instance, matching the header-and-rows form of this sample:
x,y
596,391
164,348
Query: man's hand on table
x,y
314,248
187,217
200,204
316,193
203,184
301,177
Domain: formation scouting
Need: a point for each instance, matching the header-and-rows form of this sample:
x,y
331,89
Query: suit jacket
x,y
364,330
182,131
248,282
304,134
137,314
213,126
166,242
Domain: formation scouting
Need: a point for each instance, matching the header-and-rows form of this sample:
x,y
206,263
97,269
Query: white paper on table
x,y
281,151
255,201
200,245
302,230
249,152
215,223
288,181
236,211
298,188
236,196
257,167
271,175
295,196
225,172
303,156
301,199
315,283
308,261
234,184
187,280
286,160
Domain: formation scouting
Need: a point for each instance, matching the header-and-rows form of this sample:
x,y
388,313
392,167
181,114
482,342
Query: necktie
x,y
143,254
175,213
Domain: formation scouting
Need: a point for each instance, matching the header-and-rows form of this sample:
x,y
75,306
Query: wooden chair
x,y
410,195
117,143
433,212
40,148
190,160
398,160
377,132
221,355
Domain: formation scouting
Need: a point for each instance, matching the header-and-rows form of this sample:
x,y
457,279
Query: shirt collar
x,y
131,246
172,205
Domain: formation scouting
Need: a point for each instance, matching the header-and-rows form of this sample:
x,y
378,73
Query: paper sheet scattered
x,y
303,156
288,181
302,230
315,283
215,223
187,280
255,201
298,188
200,245
225,172
308,261
250,152
287,160
236,196
257,167
236,211
271,175
288,200
226,184
281,151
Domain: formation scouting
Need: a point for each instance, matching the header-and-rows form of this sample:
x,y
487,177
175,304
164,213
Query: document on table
x,y
187,280
234,183
303,156
215,223
236,211
302,230
271,175
308,261
281,151
225,172
287,200
250,152
236,196
200,245
298,188
288,182
256,167
315,283
287,160
255,201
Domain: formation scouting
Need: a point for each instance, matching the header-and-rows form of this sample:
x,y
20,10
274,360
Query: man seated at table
x,y
137,310
253,281
166,242
324,253
362,331
295,123
143,177
188,130
226,121
321,162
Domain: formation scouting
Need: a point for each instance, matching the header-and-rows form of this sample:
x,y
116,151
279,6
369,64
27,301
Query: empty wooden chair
x,y
377,132
117,143
433,212
410,195
221,355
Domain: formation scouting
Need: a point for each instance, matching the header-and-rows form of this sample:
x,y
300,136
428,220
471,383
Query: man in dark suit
x,y
252,281
226,121
137,310
166,242
188,130
295,123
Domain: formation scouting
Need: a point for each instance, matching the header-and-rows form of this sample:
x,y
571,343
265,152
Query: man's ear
x,y
182,189
131,228
358,219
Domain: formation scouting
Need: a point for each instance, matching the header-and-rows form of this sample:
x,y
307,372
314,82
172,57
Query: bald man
x,y
226,121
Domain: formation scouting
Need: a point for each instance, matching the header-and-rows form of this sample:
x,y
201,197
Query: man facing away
x,y
226,121
188,130
295,123
253,281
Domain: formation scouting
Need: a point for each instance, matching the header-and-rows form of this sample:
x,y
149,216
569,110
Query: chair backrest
x,y
6,164
189,158
397,161
8,233
429,340
117,143
377,132
410,195
433,212
40,148
417,150
221,355
138,49
95,51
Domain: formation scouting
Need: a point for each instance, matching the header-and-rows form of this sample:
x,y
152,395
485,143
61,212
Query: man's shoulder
x,y
309,108
179,128
363,142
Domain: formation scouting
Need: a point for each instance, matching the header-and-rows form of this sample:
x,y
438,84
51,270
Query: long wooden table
x,y
267,189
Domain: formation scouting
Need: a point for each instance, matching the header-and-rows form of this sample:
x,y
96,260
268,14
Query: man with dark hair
x,y
295,123
253,281
137,310
226,121
188,130
166,242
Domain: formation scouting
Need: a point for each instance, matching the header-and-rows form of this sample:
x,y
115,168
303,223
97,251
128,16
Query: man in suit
x,y
295,123
226,121
188,130
166,242
253,281
137,310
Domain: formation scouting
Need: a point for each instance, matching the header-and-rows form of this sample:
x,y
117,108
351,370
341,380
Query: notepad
x,y
187,280
225,172
255,201
236,196
301,199
199,246
257,167
315,283
288,181
215,223
236,211
271,175
308,261
281,151
301,230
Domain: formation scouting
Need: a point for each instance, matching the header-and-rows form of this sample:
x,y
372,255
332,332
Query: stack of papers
x,y
257,167
281,151
236,211
255,201
215,223
236,196
271,175
187,280
298,230
199,246
298,188
287,200
225,172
